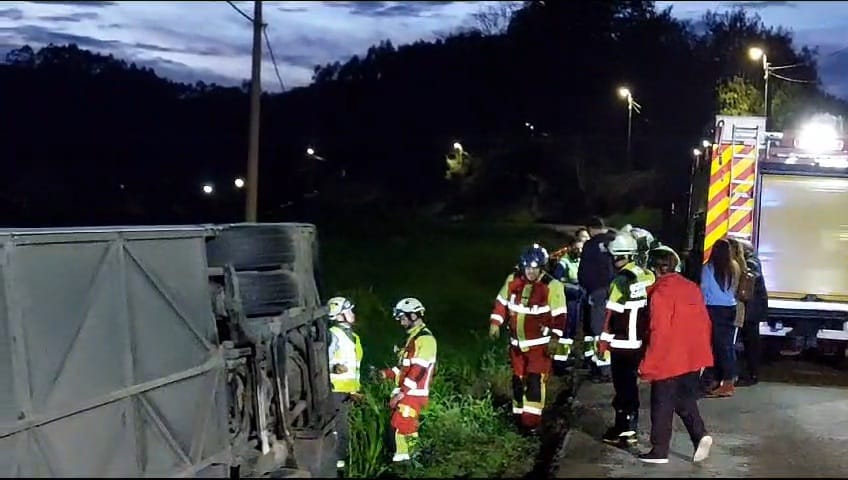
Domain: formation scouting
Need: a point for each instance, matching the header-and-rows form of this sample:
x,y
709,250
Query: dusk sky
x,y
210,41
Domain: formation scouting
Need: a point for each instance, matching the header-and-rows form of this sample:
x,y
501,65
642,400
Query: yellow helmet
x,y
338,305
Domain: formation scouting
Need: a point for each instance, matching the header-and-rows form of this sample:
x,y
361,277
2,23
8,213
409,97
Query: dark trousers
x,y
675,395
724,350
753,349
624,365
574,303
342,402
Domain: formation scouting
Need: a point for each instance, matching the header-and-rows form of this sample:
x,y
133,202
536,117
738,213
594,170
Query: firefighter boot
x,y
630,428
613,435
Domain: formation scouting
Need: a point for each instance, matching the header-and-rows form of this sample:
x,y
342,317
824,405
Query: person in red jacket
x,y
678,348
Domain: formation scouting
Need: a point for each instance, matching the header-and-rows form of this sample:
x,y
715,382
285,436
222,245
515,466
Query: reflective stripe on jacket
x,y
346,350
626,321
416,363
531,308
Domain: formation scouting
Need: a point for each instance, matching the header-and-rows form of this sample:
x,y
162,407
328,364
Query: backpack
x,y
745,290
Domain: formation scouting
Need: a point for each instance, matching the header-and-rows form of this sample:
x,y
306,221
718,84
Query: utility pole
x,y
255,97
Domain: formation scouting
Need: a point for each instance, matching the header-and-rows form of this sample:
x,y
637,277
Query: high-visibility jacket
x,y
533,310
567,268
626,322
346,350
416,363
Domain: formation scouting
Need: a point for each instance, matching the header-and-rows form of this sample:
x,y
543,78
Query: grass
x,y
456,271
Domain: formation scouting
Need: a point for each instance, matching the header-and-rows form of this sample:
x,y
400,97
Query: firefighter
x,y
624,327
412,376
345,355
566,272
532,303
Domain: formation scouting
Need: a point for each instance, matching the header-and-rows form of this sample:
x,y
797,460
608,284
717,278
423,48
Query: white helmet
x,y
408,305
622,244
338,305
640,233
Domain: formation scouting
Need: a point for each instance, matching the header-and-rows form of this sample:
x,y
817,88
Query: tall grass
x,y
456,271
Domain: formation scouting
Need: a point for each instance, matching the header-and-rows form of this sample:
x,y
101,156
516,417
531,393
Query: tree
x,y
739,97
495,19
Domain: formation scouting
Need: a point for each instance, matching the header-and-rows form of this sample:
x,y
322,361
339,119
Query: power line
x,y
790,79
273,59
240,11
267,43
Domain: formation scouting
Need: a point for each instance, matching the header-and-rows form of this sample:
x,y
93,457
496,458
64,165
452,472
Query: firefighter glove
x,y
494,331
603,348
553,345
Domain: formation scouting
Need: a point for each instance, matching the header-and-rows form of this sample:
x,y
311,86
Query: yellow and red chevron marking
x,y
721,219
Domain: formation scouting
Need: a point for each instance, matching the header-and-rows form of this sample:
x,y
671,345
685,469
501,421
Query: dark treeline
x,y
89,139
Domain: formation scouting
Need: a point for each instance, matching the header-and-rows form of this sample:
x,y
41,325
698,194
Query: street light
x,y
310,152
706,143
457,146
625,93
208,188
757,53
696,152
239,182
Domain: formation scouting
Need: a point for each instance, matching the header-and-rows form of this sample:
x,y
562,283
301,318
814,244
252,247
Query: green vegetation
x,y
456,271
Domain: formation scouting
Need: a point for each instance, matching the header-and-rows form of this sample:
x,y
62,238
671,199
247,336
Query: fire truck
x,y
786,193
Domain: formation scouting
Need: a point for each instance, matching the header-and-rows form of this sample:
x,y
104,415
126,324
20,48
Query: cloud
x,y
388,9
73,17
12,14
757,5
292,9
832,68
81,4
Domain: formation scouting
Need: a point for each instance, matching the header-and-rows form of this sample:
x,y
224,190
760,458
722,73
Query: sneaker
x,y
652,457
747,381
723,390
703,449
612,436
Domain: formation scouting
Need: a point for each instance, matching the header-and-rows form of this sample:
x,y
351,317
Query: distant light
x,y
310,151
696,152
208,189
239,182
457,146
756,53
705,143
624,92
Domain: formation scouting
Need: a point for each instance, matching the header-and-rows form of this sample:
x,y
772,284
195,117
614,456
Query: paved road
x,y
768,430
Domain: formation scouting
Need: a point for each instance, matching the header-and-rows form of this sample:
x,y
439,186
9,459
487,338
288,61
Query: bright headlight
x,y
818,138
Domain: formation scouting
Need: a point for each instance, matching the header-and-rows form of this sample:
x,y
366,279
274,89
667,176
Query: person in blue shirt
x,y
719,281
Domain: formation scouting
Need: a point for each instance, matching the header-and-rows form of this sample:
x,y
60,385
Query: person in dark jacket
x,y
679,347
595,274
756,312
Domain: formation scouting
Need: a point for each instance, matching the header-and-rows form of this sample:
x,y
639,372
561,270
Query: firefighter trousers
x,y
624,366
342,402
404,423
530,371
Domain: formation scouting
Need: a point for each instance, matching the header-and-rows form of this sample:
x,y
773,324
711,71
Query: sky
x,y
210,41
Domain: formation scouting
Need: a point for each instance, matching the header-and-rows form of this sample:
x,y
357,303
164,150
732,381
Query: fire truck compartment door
x,y
803,236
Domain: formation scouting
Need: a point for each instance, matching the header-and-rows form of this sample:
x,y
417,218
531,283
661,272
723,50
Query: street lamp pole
x,y
625,93
756,53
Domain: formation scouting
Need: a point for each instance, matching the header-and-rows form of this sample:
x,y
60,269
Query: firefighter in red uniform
x,y
412,376
532,303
